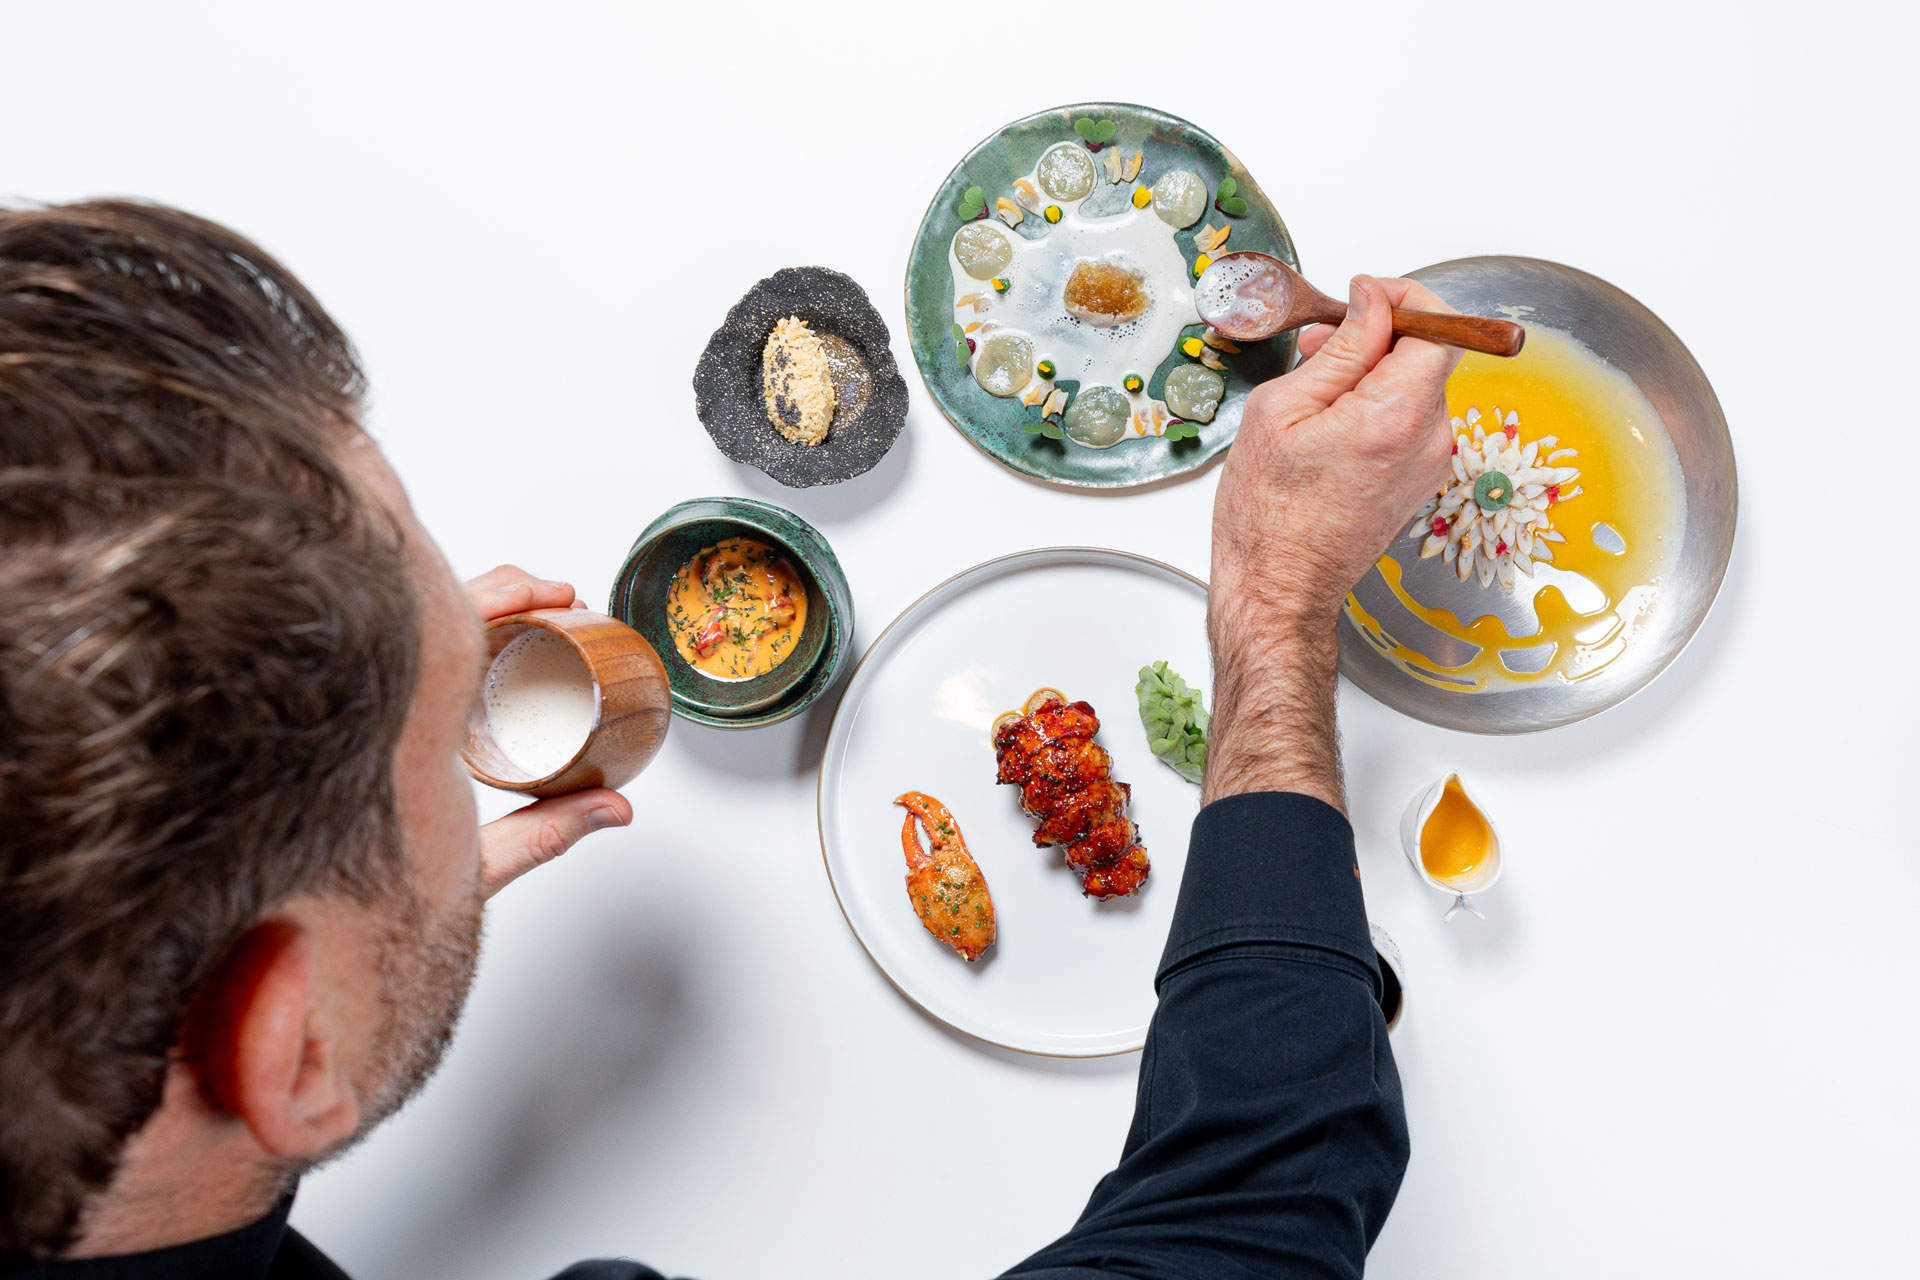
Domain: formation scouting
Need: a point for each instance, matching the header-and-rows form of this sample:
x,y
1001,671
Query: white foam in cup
x,y
540,701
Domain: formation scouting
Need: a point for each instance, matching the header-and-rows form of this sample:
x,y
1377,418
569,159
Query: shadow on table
x,y
599,1053
1674,695
1119,1064
1126,491
828,503
790,749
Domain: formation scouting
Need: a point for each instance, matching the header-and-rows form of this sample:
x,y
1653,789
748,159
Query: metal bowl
x,y
1633,339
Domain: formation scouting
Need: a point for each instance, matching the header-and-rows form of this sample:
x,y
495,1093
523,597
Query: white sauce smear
x,y
1034,306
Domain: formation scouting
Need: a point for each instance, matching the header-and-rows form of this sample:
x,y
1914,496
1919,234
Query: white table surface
x,y
1681,1045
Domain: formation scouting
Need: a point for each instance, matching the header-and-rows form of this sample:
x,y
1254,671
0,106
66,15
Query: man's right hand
x,y
1332,460
1330,463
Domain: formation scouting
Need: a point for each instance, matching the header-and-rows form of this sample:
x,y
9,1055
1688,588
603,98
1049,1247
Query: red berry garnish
x,y
1456,448
1499,548
970,347
1440,526
1553,493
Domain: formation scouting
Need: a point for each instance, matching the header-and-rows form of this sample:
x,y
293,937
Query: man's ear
x,y
265,1051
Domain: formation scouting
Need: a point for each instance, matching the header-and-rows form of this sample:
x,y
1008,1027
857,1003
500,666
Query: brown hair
x,y
207,651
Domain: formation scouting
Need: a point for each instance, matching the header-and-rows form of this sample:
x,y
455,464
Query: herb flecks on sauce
x,y
736,610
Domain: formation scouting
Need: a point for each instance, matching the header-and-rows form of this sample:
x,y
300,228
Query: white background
x,y
1682,1044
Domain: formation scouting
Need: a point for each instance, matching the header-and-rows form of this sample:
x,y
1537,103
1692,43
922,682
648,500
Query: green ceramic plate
x,y
997,425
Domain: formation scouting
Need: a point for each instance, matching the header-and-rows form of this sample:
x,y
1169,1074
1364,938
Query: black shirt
x,y
1268,1135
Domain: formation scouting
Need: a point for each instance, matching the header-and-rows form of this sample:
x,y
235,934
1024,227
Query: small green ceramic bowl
x,y
683,531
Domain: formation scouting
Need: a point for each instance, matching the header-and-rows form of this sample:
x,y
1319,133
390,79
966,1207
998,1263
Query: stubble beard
x,y
425,971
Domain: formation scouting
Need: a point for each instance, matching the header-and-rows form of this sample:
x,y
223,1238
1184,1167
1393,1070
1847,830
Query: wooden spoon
x,y
1249,296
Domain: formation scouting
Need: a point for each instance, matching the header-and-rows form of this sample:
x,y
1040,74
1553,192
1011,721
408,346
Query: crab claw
x,y
944,883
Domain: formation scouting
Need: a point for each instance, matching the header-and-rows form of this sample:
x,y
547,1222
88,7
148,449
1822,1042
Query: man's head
x,y
239,873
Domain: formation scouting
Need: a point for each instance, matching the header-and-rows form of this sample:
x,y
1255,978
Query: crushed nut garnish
x,y
1209,238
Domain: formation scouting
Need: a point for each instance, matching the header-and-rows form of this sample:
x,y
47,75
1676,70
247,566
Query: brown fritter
x,y
1061,768
1104,842
1018,742
1119,878
1066,781
1075,814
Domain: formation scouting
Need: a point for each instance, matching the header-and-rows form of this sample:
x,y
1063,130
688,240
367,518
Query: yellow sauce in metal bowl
x,y
736,609
1623,532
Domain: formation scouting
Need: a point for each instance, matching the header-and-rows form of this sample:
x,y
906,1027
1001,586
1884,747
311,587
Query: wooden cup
x,y
631,711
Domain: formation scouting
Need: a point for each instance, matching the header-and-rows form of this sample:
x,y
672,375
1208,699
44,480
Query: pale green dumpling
x,y
1193,392
1066,172
983,250
1098,417
1004,364
1179,197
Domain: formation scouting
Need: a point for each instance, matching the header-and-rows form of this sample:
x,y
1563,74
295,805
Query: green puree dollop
x,y
1175,720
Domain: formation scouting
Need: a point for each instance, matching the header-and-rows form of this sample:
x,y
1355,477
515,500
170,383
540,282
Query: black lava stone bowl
x,y
870,395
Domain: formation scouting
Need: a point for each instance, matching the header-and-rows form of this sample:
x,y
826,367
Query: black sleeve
x,y
1268,1134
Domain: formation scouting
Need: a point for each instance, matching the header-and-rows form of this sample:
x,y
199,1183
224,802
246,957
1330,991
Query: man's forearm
x,y
1274,677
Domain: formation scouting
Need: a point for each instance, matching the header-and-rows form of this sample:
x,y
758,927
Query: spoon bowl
x,y
1250,296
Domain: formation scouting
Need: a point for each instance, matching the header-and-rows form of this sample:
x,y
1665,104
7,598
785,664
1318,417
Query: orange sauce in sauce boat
x,y
1452,842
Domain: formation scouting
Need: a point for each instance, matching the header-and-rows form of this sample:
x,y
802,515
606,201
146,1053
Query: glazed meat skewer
x,y
1066,781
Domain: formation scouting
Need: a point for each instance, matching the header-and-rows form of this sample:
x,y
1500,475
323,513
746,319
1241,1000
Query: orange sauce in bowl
x,y
1455,837
736,609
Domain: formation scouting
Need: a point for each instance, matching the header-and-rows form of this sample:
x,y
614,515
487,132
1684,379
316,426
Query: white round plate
x,y
1068,976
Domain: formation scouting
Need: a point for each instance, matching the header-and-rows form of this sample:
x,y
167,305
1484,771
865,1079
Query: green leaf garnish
x,y
1094,132
1233,206
1175,719
959,331
1492,491
1227,188
972,201
1177,430
960,349
1042,427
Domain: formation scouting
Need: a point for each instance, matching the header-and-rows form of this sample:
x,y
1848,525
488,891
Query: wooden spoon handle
x,y
1471,333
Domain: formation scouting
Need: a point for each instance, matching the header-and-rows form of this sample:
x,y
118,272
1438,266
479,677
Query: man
x,y
240,872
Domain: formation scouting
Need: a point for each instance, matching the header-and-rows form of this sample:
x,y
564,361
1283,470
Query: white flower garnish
x,y
1492,520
